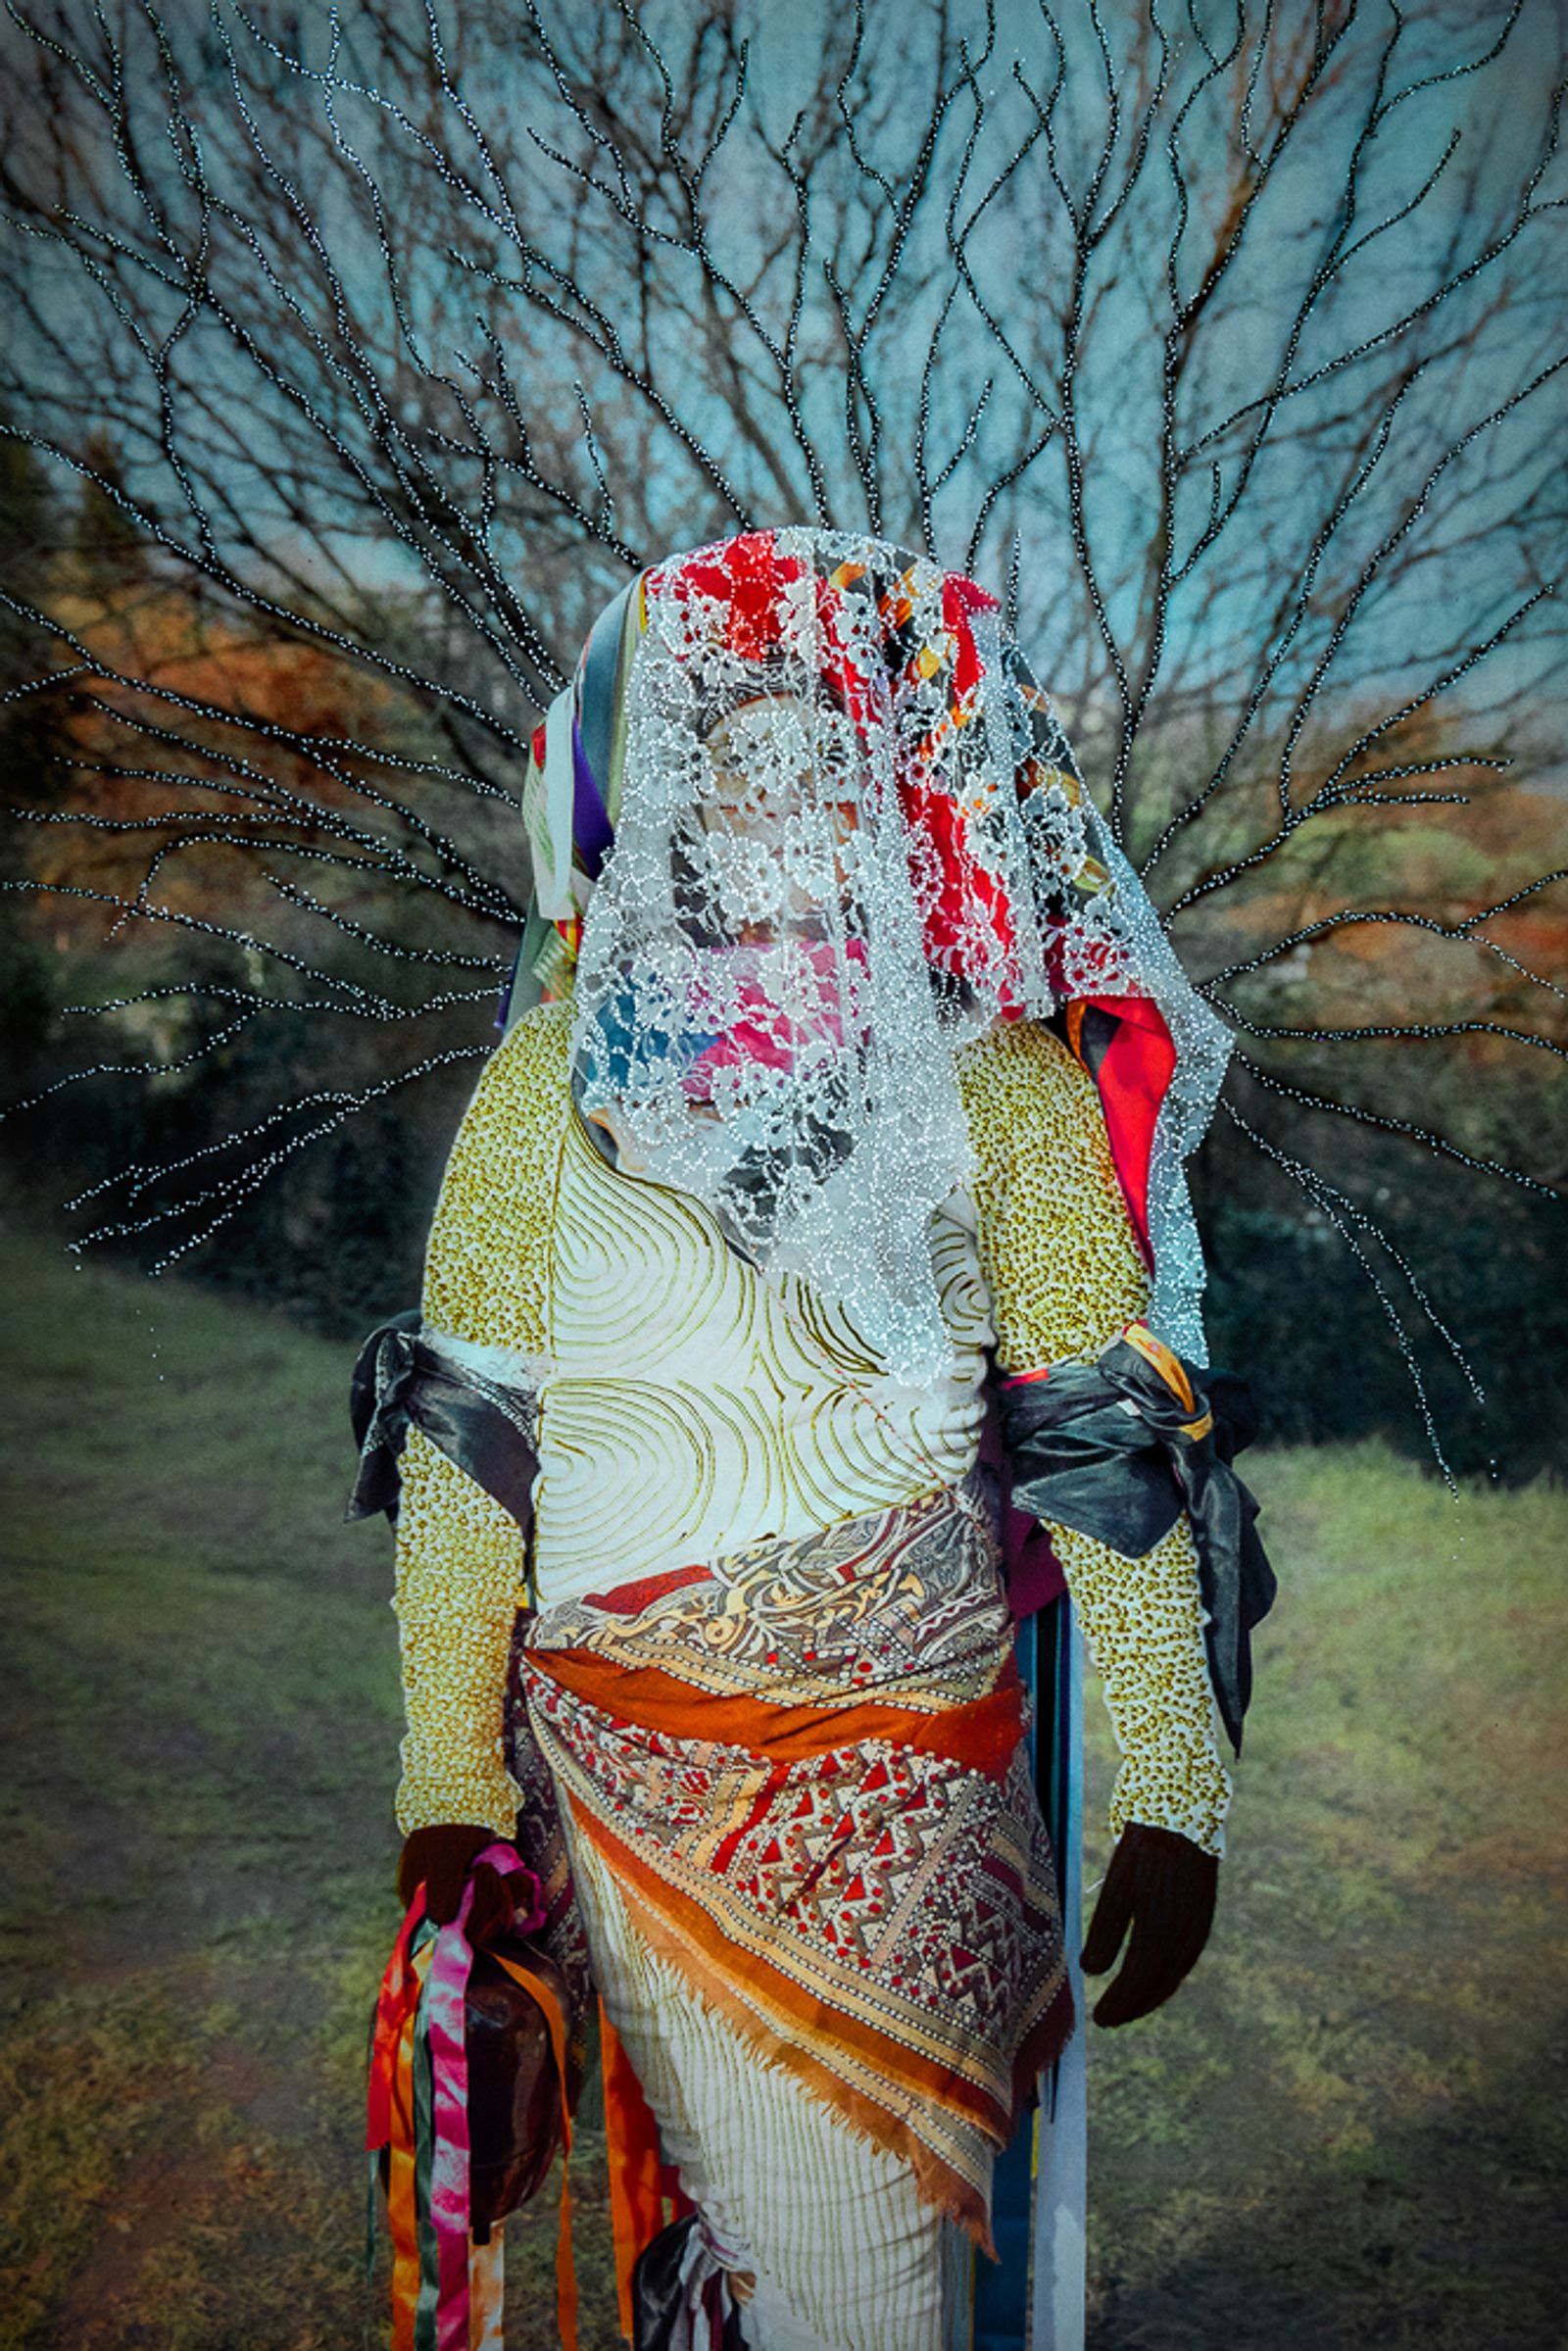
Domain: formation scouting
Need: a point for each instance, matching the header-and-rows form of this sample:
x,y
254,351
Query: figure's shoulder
x,y
1056,1243
1010,1052
525,1077
521,1099
1017,1077
485,1268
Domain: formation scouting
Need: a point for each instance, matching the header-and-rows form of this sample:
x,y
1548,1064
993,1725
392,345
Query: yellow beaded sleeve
x,y
1066,1277
460,1557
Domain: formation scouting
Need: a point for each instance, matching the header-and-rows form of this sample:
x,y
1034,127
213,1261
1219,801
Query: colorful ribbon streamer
x,y
447,2291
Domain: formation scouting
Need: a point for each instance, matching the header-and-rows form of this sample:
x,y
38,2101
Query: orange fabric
x,y
1159,1356
641,2183
981,1736
487,2292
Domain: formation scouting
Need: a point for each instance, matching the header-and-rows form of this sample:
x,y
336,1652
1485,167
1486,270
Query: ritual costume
x,y
827,1176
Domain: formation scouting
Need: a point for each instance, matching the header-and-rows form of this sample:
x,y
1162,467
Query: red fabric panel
x,y
1133,1074
630,1599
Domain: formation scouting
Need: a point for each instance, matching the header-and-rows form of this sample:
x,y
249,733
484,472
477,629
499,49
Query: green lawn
x,y
1344,2132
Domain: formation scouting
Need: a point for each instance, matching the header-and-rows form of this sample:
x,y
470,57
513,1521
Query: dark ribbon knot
x,y
1117,1448
406,1378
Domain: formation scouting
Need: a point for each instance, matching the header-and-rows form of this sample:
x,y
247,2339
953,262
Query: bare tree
x,y
1227,338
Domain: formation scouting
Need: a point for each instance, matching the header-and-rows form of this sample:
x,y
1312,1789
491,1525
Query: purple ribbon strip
x,y
591,828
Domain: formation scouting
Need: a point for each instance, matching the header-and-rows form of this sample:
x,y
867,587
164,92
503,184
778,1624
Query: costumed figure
x,y
814,1286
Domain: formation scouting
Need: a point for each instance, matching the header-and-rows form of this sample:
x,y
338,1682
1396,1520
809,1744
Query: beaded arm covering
x,y
461,1556
1066,1278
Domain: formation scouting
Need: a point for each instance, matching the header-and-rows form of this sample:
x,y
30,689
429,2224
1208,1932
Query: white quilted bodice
x,y
694,1405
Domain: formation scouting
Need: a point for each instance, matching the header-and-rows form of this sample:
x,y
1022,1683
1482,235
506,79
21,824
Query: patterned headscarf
x,y
802,824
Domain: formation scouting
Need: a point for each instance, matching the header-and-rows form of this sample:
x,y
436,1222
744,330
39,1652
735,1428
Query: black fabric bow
x,y
657,2293
405,1378
1115,1449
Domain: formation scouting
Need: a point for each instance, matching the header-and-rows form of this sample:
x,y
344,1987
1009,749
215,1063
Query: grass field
x,y
1346,2132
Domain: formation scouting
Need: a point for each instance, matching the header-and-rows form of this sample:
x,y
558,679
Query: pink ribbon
x,y
446,1997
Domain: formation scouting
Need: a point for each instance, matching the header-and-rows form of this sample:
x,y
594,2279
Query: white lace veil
x,y
848,836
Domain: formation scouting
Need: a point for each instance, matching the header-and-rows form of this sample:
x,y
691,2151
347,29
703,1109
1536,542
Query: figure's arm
x,y
459,1578
462,1558
1066,1278
1144,1623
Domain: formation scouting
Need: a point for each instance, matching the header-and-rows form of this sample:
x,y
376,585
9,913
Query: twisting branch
x,y
361,353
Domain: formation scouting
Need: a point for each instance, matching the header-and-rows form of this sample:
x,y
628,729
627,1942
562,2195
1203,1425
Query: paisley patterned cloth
x,y
805,1767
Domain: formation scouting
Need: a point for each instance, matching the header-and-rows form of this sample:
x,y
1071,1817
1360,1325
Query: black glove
x,y
439,1859
1163,1886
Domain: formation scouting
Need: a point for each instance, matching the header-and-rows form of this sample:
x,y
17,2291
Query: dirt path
x,y
1346,2133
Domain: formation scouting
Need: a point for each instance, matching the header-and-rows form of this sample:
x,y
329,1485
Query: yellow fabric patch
x,y
1056,1245
487,1269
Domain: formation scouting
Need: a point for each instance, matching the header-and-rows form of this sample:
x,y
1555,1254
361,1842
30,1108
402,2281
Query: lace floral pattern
x,y
851,837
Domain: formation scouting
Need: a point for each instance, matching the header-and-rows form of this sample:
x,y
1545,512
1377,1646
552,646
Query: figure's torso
x,y
693,1406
